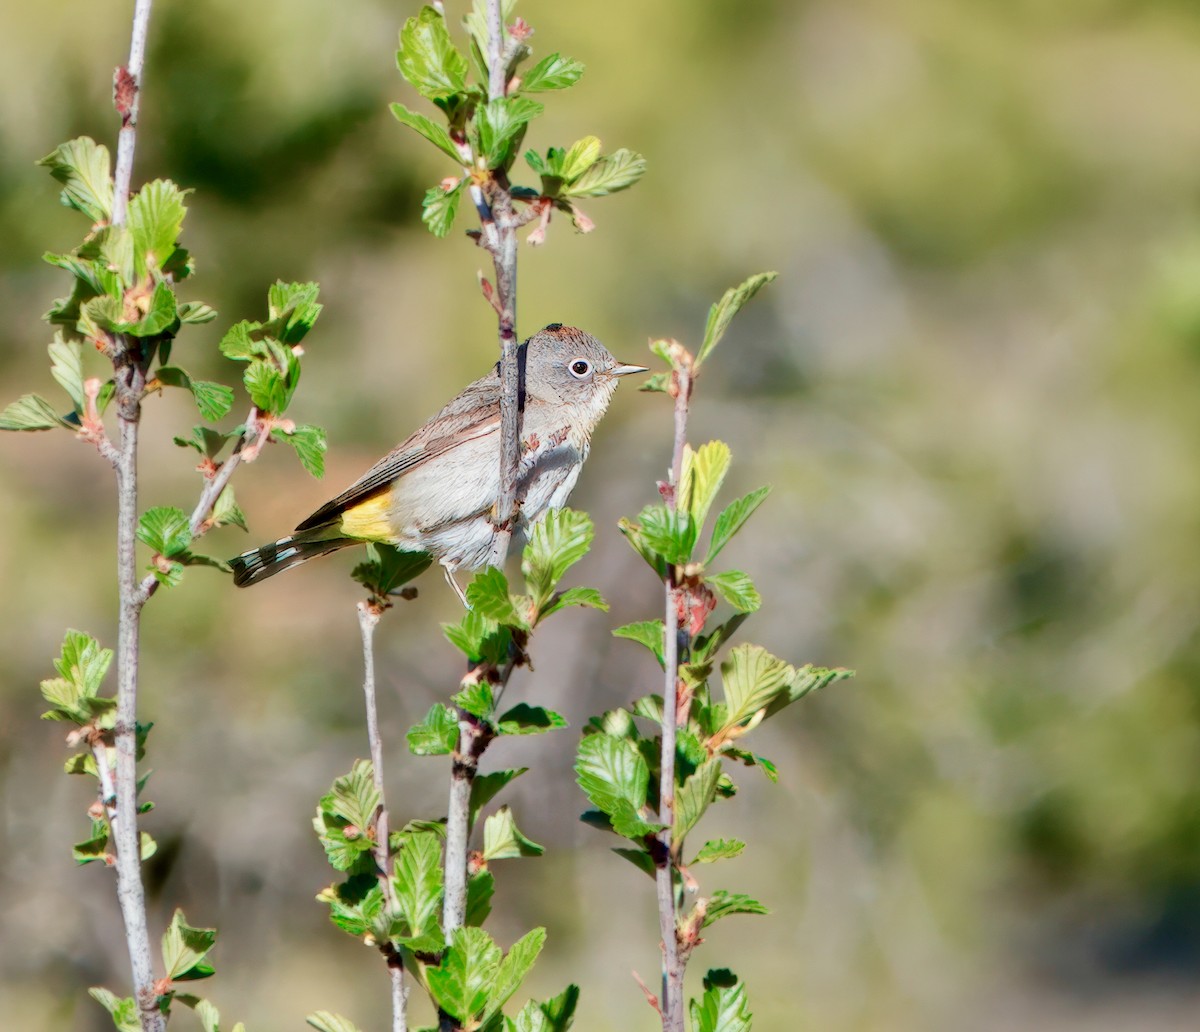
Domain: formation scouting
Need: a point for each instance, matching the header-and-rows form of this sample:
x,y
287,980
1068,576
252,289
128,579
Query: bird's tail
x,y
260,563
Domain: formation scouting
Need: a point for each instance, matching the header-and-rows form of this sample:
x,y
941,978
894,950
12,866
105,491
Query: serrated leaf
x,y
721,314
265,385
418,880
501,123
310,443
195,313
615,777
327,1021
225,511
156,214
639,858
205,440
123,1010
733,517
485,787
161,313
655,383
503,840
524,719
184,949
555,1015
703,473
388,568
481,886
723,1008
66,366
737,589
723,904
475,699
461,985
692,798
293,309
556,543
83,167
587,597
439,208
488,594
165,529
645,632
553,72
94,848
579,157
750,679
718,849
437,734
805,680
616,171
354,797
670,533
31,412
240,344
513,969
479,637
214,400
433,132
427,57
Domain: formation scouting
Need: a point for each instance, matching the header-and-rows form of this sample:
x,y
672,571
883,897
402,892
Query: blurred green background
x,y
974,387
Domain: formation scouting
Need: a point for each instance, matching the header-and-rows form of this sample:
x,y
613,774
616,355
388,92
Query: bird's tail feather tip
x,y
260,563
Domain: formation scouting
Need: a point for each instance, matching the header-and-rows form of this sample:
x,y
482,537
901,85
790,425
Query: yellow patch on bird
x,y
370,519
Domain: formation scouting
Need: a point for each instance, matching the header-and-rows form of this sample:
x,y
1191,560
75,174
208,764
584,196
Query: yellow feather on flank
x,y
370,519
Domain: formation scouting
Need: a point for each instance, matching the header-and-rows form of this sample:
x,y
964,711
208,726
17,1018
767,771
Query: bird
x,y
436,491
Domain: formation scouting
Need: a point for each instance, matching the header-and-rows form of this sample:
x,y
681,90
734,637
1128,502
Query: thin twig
x,y
672,979
128,106
368,619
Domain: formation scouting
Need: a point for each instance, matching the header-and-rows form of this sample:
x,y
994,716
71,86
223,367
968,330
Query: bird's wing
x,y
473,414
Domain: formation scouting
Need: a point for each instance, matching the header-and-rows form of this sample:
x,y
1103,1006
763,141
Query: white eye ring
x,y
580,368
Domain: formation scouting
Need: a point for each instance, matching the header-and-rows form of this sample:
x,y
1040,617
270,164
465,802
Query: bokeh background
x,y
974,388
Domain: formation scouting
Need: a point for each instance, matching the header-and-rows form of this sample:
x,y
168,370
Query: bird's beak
x,y
625,370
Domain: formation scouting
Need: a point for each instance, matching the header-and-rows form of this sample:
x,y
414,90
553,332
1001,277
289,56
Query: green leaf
x,y
225,512
513,969
293,310
655,383
66,366
723,1008
354,797
718,849
750,679
439,208
156,215
123,1009
671,533
577,159
737,589
205,440
388,568
693,797
615,777
184,949
554,1015
214,400
356,905
648,633
721,314
706,646
31,412
732,519
481,886
310,444
266,386
161,313
524,719
82,166
616,171
428,59
82,666
501,123
437,734
588,597
327,1021
479,637
94,848
165,529
433,132
476,699
418,882
240,344
555,544
462,985
485,787
553,72
703,473
639,858
488,594
196,313
805,680
723,904
502,840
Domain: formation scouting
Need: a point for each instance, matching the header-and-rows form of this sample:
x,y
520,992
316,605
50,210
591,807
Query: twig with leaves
x,y
653,792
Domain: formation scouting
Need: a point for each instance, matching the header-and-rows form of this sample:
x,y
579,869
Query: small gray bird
x,y
436,491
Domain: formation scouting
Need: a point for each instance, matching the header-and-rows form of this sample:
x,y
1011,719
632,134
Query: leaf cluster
x,y
483,135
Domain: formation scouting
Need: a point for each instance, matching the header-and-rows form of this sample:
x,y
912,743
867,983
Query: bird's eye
x,y
580,368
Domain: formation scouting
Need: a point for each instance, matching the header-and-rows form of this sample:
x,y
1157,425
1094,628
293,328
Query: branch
x,y
127,97
675,641
368,619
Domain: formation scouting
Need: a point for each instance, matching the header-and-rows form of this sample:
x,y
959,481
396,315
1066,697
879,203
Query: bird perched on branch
x,y
436,492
